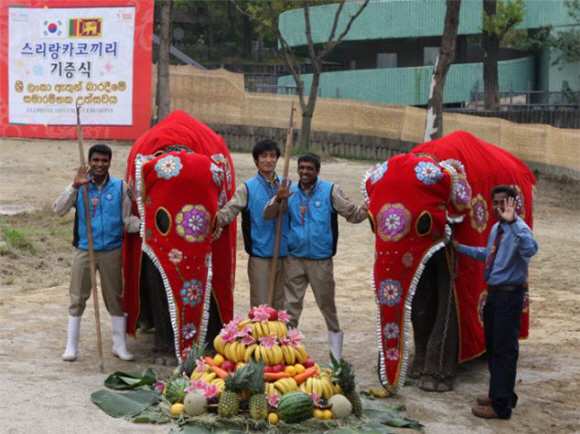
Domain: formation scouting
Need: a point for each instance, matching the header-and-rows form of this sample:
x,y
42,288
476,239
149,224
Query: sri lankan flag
x,y
85,27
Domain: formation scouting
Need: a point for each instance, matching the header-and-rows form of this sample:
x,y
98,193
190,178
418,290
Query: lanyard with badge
x,y
304,206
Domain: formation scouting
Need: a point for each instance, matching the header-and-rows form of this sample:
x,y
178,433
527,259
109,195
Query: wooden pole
x,y
287,154
91,248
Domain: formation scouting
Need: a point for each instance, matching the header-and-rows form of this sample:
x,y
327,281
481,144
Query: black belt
x,y
507,288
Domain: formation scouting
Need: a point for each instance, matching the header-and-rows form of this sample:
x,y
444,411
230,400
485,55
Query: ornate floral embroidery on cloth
x,y
520,208
390,292
461,192
428,173
394,222
377,172
478,213
192,291
168,167
193,223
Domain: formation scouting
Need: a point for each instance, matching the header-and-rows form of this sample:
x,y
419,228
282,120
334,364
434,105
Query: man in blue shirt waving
x,y
510,246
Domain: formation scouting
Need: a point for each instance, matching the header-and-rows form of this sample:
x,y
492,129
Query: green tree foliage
x,y
508,15
568,41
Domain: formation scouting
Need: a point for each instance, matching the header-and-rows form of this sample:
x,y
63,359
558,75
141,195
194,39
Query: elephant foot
x,y
433,383
166,361
445,385
428,383
416,369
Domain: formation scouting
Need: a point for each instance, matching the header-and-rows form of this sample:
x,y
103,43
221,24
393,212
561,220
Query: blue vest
x,y
313,222
106,216
260,234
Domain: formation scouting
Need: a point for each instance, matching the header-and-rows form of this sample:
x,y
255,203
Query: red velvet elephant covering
x,y
177,196
415,201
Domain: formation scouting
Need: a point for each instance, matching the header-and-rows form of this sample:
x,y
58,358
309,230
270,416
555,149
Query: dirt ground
x,y
40,393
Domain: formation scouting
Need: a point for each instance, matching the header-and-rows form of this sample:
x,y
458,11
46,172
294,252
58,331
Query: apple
x,y
228,366
278,368
252,312
268,369
273,313
309,363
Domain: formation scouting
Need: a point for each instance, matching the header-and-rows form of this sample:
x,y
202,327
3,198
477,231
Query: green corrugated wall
x,y
410,86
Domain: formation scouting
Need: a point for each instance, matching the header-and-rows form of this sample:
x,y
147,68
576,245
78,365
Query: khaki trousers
x,y
320,275
108,265
259,276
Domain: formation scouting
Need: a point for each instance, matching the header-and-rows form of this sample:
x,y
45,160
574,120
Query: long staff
x,y
287,152
91,249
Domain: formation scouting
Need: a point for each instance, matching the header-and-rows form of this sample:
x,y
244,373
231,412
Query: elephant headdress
x,y
417,201
181,173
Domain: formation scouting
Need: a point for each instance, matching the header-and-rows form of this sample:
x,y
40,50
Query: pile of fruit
x,y
260,366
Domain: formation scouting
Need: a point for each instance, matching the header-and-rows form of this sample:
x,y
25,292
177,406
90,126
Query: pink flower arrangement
x,y
283,316
295,337
160,386
200,365
261,314
268,341
210,391
196,385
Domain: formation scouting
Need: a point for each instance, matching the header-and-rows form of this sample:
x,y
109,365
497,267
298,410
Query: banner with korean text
x,y
58,54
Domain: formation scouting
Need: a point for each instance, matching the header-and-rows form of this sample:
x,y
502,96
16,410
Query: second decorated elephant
x,y
417,202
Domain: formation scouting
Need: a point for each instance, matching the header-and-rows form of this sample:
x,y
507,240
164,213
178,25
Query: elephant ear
x,y
460,192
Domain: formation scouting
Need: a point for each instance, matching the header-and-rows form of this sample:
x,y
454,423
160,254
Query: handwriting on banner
x,y
100,92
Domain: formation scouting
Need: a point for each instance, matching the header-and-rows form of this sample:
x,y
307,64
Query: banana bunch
x,y
221,384
270,389
268,328
207,376
301,354
289,354
270,356
235,351
285,385
319,386
219,345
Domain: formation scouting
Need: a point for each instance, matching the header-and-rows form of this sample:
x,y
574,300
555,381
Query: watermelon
x,y
295,407
174,391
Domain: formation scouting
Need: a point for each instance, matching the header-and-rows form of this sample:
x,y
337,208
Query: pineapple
x,y
343,374
197,350
230,400
258,402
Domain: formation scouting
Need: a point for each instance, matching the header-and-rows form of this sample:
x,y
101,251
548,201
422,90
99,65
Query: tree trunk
x,y
308,109
261,46
247,36
490,43
163,88
434,126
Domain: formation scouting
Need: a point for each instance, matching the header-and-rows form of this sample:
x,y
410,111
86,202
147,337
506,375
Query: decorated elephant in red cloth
x,y
179,272
417,203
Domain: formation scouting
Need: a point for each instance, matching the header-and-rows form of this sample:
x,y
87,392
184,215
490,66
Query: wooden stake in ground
x,y
91,249
287,153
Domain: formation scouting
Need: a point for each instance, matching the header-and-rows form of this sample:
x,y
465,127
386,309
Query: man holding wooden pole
x,y
109,211
259,234
313,207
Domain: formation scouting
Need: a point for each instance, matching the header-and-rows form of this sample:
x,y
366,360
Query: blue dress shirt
x,y
516,247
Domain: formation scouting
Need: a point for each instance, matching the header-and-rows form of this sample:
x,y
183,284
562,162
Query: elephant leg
x,y
214,325
442,348
423,318
156,300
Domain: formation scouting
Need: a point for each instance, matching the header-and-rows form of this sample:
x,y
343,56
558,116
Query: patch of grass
x,y
17,239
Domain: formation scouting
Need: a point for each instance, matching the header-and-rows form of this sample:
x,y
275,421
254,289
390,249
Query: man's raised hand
x,y
508,214
283,190
82,176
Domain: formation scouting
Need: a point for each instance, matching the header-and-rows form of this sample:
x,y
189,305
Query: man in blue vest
x,y
313,205
259,234
109,213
